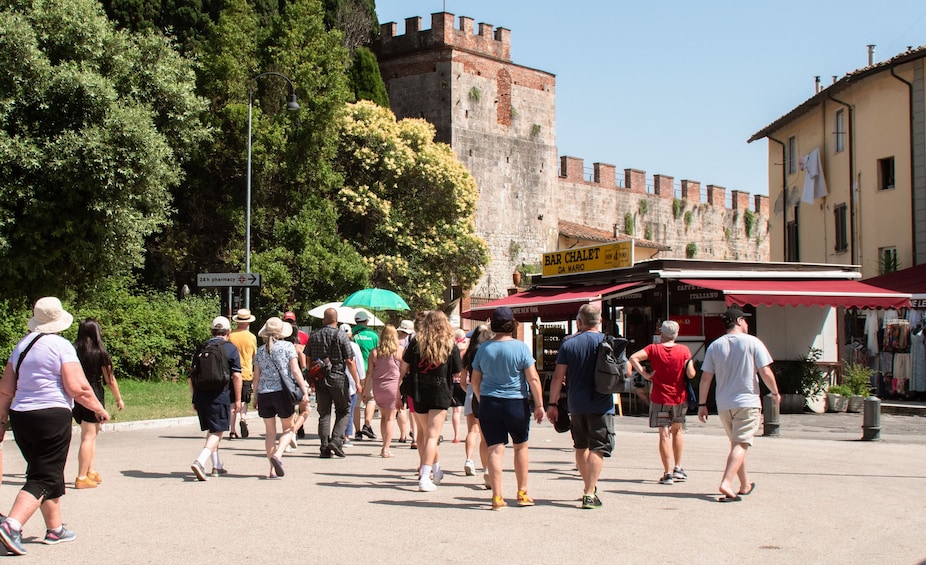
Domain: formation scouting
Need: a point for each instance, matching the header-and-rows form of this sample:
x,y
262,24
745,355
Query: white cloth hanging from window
x,y
814,183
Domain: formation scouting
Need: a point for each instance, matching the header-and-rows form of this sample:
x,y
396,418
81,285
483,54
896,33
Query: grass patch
x,y
146,400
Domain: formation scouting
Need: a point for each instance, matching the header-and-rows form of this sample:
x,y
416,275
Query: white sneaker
x,y
437,476
469,468
425,484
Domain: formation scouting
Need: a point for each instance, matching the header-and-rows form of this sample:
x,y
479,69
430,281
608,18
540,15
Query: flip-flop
x,y
736,498
277,466
752,487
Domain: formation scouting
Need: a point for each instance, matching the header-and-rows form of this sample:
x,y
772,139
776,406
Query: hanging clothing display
x,y
918,360
872,325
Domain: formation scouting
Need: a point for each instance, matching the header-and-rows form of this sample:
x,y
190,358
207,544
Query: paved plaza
x,y
821,497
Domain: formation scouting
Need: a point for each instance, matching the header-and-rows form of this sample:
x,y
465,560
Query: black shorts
x,y
43,437
458,395
82,414
247,388
501,417
214,411
433,394
275,403
594,432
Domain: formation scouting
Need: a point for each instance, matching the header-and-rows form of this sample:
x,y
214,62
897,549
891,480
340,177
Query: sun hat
x,y
362,316
275,327
243,316
49,317
346,328
289,317
406,327
221,323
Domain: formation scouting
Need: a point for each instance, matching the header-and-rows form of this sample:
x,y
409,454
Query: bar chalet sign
x,y
588,259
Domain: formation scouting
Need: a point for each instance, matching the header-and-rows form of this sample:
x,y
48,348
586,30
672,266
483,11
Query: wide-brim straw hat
x,y
243,316
275,327
49,317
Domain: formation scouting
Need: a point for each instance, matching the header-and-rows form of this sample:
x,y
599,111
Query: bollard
x,y
871,419
771,417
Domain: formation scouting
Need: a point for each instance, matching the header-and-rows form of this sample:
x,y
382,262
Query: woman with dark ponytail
x,y
98,367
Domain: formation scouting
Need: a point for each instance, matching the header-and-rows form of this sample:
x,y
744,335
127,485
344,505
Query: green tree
x,y
365,78
94,126
407,205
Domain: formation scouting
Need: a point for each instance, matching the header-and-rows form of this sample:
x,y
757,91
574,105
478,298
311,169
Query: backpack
x,y
211,371
610,365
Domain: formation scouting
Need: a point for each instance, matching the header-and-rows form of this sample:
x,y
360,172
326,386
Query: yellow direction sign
x,y
588,259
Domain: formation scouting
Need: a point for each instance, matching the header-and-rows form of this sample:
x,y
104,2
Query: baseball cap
x,y
345,328
502,314
407,326
732,314
362,316
289,317
221,323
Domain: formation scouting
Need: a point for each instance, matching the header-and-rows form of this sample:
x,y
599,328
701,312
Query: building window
x,y
791,158
840,133
842,231
885,173
793,251
887,260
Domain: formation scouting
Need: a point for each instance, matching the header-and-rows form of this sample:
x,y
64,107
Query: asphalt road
x,y
821,497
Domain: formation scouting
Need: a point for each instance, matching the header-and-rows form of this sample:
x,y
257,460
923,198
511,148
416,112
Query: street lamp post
x,y
292,105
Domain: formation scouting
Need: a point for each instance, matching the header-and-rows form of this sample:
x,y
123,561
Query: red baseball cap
x,y
289,317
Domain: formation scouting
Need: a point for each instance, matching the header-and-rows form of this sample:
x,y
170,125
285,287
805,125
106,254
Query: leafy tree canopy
x,y
408,205
94,126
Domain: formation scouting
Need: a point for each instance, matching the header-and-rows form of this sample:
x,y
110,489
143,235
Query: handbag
x,y
409,386
293,391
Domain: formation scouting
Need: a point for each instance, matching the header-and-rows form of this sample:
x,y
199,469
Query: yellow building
x,y
847,170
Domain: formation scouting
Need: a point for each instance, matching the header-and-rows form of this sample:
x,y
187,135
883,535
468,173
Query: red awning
x,y
847,293
552,304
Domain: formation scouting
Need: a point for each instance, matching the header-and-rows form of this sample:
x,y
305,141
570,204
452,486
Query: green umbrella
x,y
375,299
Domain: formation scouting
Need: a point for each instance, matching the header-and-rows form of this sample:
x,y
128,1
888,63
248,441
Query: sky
x,y
677,87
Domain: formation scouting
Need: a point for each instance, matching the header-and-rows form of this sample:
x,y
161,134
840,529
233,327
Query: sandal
x,y
498,503
232,435
385,454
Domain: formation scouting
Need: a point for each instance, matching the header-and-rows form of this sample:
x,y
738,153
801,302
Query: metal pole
x,y
247,212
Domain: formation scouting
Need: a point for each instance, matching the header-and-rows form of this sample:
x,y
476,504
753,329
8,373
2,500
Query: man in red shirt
x,y
670,363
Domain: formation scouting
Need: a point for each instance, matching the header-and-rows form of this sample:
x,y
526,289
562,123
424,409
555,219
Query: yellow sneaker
x,y
498,503
95,477
84,482
524,499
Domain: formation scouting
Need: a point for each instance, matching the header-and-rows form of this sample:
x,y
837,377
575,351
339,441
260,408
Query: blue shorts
x,y
214,411
503,417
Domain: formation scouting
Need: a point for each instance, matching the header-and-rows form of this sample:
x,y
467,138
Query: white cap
x,y
362,316
221,323
346,328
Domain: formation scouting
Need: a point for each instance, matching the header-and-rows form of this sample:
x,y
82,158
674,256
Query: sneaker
x,y
678,474
667,479
52,538
591,502
367,431
85,482
358,436
244,428
336,449
325,452
524,499
219,471
437,476
498,503
95,477
300,433
347,443
469,468
12,539
199,471
425,484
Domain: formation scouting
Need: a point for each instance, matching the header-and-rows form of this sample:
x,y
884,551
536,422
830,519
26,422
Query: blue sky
x,y
677,87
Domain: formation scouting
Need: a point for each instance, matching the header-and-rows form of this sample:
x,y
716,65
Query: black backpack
x,y
610,365
211,372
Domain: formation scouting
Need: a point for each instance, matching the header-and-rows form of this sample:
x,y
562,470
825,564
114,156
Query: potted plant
x,y
813,380
837,398
788,376
857,378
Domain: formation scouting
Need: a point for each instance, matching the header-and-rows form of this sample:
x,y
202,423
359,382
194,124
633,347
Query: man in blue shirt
x,y
592,413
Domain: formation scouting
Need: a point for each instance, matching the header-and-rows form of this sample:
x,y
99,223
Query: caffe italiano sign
x,y
588,259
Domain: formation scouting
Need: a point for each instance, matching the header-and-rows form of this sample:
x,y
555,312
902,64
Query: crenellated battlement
x,y
572,170
489,41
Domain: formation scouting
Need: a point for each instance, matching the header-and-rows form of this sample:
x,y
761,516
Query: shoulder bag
x,y
292,389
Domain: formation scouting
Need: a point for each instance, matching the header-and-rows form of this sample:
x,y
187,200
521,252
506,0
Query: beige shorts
x,y
741,424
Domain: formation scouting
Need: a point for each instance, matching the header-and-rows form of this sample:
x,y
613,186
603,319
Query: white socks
x,y
204,456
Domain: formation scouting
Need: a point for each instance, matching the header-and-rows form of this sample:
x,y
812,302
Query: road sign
x,y
228,279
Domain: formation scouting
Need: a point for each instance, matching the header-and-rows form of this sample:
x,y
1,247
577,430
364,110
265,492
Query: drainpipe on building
x,y
852,216
912,155
784,197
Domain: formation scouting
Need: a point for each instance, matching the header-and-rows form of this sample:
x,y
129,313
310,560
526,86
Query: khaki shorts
x,y
741,424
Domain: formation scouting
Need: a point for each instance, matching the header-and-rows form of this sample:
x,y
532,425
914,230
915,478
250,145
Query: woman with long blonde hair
x,y
432,360
383,371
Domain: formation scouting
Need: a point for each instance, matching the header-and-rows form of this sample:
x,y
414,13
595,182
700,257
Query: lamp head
x,y
292,105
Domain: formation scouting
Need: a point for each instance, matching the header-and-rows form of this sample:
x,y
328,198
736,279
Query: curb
x,y
149,424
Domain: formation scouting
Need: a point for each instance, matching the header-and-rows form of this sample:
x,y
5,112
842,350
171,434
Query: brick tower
x,y
498,117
